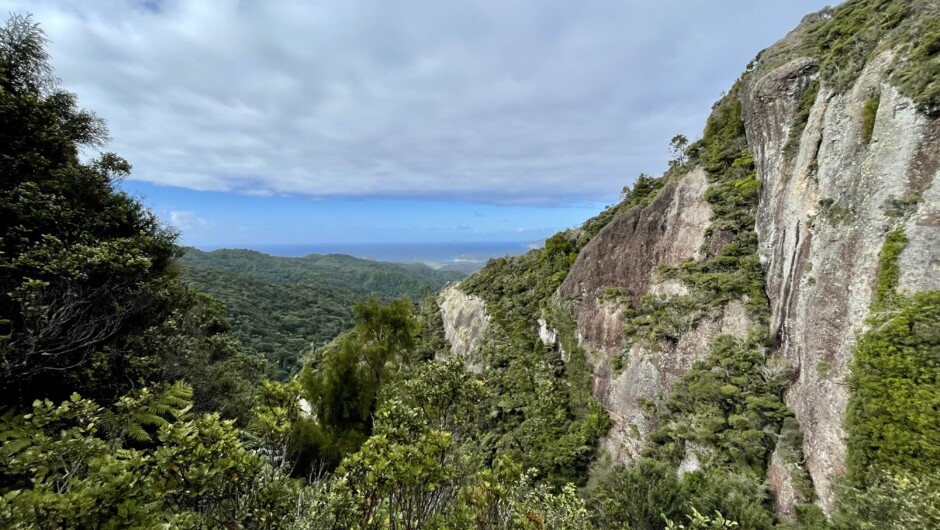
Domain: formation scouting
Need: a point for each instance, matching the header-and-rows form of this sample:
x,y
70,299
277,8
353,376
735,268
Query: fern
x,y
136,417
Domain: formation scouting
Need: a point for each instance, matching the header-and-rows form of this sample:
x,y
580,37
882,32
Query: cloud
x,y
187,221
521,102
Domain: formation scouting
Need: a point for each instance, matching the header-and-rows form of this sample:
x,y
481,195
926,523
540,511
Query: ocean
x,y
466,257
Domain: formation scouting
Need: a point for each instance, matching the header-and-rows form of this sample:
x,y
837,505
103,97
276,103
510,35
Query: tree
x,y
342,382
80,263
147,462
677,148
89,298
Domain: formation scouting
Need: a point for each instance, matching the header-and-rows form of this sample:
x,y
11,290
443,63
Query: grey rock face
x,y
625,255
549,337
824,213
627,251
465,323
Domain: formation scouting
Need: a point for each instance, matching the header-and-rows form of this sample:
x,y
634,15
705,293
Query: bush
x,y
869,112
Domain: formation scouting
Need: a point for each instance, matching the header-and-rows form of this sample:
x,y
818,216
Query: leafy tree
x,y
146,462
89,298
891,502
343,380
698,521
677,147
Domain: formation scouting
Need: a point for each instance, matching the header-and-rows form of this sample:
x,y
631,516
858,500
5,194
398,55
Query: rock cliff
x,y
845,150
824,213
624,256
830,193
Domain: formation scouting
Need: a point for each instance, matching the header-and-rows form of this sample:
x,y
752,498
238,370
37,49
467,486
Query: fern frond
x,y
145,418
137,433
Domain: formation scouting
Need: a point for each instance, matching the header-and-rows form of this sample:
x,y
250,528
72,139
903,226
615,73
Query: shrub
x,y
869,112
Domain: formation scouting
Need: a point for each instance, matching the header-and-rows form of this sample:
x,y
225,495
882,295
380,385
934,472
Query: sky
x,y
251,122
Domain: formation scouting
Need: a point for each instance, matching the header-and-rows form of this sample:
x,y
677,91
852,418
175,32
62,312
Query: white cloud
x,y
511,102
188,221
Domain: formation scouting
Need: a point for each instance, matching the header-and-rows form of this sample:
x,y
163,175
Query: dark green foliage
x,y
888,271
148,462
279,321
284,307
654,318
894,436
517,288
359,276
810,517
87,284
731,403
846,38
638,497
790,450
739,497
889,502
190,343
644,190
892,418
869,112
422,468
802,116
919,78
430,341
342,382
734,271
644,495
542,413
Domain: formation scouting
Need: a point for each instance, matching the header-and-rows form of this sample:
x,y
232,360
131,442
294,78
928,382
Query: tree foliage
x,y
87,283
147,462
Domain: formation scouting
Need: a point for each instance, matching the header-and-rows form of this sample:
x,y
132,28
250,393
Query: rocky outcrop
x,y
829,196
549,337
627,251
830,192
465,323
624,256
825,210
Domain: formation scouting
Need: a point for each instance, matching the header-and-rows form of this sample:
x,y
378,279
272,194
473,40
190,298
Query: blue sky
x,y
290,121
211,218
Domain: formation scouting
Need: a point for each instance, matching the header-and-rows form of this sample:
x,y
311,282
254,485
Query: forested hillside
x,y
358,276
282,307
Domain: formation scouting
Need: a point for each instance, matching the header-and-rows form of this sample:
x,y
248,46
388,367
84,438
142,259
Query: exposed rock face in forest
x,y
824,213
625,255
825,209
465,322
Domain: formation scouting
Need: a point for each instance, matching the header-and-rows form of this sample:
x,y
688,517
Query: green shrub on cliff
x,y
869,112
844,39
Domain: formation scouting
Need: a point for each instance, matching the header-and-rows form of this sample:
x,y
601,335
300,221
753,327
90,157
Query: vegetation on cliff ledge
x,y
894,435
844,39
